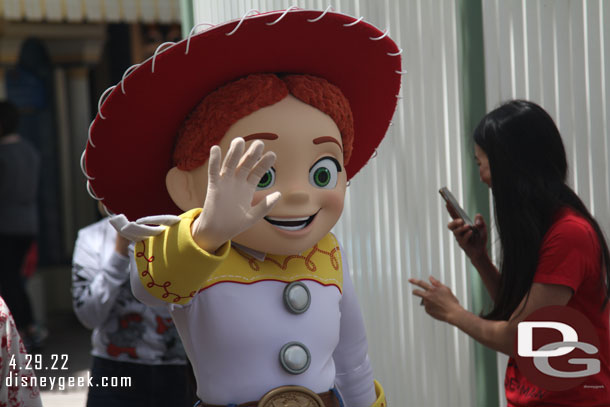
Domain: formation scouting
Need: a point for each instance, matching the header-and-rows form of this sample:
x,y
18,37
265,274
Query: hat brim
x,y
135,129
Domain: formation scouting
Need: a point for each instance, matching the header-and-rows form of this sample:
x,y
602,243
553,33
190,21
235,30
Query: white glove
x,y
228,209
139,230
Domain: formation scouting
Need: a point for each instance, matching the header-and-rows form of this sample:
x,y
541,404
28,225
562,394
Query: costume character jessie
x,y
251,129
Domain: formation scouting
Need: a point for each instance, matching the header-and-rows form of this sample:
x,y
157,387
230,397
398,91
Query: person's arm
x,y
441,304
96,283
475,248
354,373
500,335
569,253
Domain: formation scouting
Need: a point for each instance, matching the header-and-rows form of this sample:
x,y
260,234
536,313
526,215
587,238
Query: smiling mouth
x,y
291,224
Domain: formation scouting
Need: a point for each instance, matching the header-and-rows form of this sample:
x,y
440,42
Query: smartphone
x,y
452,202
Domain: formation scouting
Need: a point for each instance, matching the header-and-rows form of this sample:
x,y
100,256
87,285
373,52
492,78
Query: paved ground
x,y
64,358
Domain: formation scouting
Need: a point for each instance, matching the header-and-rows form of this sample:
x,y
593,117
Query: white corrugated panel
x,y
74,10
12,9
165,8
112,10
130,11
93,10
176,16
148,10
54,10
554,52
394,225
33,10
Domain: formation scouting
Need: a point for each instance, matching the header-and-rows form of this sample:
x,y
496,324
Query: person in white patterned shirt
x,y
16,387
129,338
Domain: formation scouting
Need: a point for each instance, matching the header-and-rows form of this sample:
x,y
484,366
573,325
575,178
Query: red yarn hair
x,y
217,112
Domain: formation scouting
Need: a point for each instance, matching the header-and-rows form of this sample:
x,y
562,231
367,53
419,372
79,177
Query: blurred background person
x,y
553,250
19,172
129,338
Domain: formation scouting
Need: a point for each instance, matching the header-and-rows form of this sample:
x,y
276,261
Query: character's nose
x,y
296,197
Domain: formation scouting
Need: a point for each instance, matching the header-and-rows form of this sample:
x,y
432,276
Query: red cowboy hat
x,y
132,137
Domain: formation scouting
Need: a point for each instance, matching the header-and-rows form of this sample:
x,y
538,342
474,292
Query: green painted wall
x,y
476,194
187,16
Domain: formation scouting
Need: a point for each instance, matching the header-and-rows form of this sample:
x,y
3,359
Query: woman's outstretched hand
x,y
473,242
437,298
228,209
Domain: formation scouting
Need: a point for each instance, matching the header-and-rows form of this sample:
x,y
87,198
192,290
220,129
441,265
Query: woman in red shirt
x,y
553,251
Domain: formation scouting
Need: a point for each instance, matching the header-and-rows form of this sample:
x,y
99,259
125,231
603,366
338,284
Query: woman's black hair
x,y
528,166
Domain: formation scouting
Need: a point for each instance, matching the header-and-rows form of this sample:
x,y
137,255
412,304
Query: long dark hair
x,y
528,166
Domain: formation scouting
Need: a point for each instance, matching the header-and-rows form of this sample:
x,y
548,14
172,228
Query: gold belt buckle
x,y
291,396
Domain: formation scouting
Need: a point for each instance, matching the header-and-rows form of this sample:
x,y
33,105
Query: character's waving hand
x,y
228,209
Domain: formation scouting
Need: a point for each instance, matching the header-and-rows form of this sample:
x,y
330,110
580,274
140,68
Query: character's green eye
x,y
267,180
322,177
324,173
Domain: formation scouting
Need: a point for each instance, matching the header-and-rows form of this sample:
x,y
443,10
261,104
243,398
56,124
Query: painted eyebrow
x,y
327,139
261,136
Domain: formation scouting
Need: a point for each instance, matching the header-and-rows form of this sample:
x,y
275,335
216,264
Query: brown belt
x,y
293,394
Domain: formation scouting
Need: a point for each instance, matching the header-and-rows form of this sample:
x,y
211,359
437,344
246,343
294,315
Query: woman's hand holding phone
x,y
473,244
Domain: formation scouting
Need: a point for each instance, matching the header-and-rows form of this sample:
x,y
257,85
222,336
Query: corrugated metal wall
x,y
555,52
394,225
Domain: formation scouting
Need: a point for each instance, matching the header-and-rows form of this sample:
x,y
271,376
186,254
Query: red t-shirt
x,y
570,256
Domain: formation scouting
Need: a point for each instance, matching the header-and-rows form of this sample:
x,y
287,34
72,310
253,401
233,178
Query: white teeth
x,y
291,228
290,224
288,219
